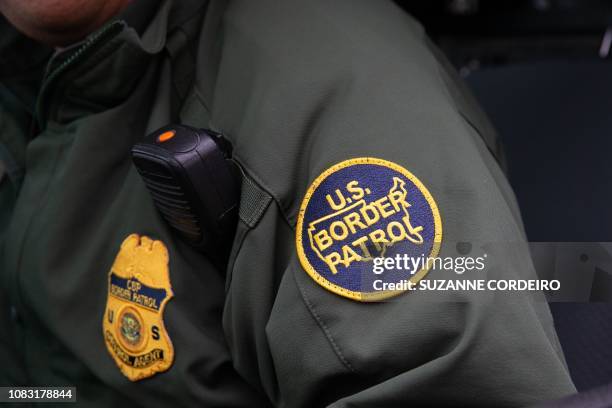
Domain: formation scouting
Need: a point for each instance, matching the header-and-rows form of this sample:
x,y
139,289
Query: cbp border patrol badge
x,y
138,291
361,209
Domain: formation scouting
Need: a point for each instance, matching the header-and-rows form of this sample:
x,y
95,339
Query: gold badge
x,y
138,291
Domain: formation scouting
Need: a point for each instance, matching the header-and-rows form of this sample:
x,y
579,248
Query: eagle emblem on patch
x,y
359,210
138,291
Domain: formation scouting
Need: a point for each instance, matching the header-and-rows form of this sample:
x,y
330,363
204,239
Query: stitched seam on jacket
x,y
324,328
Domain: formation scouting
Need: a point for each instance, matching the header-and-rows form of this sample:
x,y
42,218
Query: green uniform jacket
x,y
296,86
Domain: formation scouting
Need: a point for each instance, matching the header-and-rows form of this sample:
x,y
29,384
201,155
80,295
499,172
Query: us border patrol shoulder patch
x,y
359,210
138,291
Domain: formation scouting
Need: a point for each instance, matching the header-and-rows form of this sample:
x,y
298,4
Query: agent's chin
x,y
59,23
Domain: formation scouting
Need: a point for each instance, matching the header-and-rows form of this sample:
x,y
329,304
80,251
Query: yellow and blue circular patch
x,y
359,210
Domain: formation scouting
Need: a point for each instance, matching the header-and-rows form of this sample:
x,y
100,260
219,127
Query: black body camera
x,y
194,184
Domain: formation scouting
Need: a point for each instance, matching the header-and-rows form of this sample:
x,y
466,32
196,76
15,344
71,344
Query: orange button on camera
x,y
164,137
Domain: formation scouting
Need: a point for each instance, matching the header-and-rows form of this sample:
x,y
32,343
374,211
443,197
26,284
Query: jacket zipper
x,y
15,296
106,32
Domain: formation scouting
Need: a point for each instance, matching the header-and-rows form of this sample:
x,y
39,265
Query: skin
x,y
59,22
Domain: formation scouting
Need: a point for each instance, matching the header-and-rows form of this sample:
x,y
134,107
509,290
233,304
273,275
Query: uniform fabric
x,y
296,87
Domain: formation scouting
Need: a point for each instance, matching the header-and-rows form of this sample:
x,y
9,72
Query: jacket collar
x,y
101,70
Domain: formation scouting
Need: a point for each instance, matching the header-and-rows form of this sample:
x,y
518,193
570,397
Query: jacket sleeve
x,y
422,348
425,348
327,83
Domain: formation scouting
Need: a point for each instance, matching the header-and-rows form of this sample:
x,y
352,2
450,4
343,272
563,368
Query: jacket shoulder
x,y
300,79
